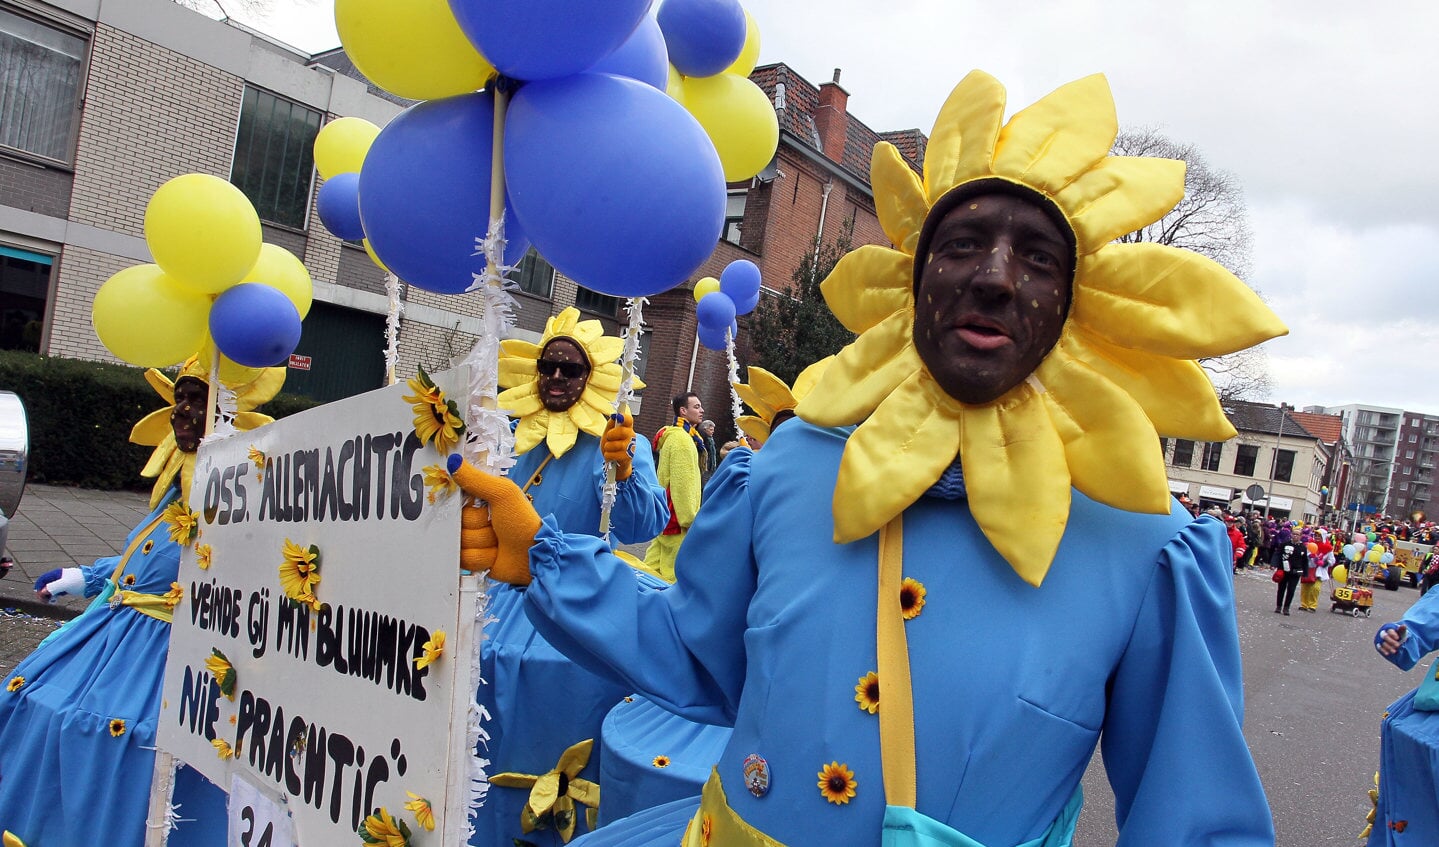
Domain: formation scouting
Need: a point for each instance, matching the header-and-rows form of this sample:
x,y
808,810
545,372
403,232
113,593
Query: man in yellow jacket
x,y
677,466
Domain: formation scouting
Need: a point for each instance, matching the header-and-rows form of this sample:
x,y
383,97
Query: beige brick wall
x,y
81,273
434,347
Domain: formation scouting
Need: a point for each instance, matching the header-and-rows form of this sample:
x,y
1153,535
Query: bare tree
x,y
228,8
1211,220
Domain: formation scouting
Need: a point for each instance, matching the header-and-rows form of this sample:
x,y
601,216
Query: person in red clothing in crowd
x,y
1236,540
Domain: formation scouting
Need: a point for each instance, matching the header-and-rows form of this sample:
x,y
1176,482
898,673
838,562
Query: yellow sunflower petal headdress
x,y
1122,373
154,430
519,375
767,395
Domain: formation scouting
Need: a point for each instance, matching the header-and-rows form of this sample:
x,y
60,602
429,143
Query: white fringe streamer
x,y
488,444
736,408
392,325
165,784
634,308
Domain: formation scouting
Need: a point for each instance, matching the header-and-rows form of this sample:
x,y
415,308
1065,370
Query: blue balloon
x,y
546,39
616,184
642,56
703,36
425,193
715,310
747,306
338,204
740,280
711,338
255,325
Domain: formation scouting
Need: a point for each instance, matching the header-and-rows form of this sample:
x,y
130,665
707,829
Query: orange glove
x,y
500,541
618,444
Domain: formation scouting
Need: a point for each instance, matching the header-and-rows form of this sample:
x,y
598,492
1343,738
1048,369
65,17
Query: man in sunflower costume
x,y
925,603
77,717
561,391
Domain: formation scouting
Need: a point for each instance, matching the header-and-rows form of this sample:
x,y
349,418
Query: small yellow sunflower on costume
x,y
300,573
184,523
204,556
384,830
424,814
117,727
432,650
660,761
836,783
218,664
223,748
1122,373
15,684
911,598
866,692
767,395
154,430
437,419
129,580
519,374
438,481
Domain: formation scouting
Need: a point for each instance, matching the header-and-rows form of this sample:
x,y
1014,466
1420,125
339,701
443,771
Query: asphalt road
x,y
1315,691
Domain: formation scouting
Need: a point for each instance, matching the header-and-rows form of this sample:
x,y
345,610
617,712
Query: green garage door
x,y
344,350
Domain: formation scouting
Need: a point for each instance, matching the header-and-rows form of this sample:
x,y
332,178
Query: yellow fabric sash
x,y
158,606
717,825
896,696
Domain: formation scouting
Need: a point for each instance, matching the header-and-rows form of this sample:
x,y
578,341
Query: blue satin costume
x,y
770,626
539,702
1409,745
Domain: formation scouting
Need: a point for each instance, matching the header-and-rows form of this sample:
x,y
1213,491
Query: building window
x,y
40,72
1403,486
274,157
1283,465
593,301
1183,453
535,275
24,286
1413,438
1408,454
1210,459
734,215
1245,460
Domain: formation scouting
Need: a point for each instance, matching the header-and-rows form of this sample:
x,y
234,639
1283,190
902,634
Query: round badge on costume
x,y
756,774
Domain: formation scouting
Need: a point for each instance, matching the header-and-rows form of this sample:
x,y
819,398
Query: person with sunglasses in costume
x,y
925,603
561,392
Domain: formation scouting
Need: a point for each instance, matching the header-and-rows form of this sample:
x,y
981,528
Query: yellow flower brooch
x,y
1122,373
768,396
519,375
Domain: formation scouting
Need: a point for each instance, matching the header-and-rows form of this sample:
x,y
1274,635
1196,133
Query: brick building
x,y
102,101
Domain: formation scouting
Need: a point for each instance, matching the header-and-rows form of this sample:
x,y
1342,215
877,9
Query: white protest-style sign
x,y
256,819
328,709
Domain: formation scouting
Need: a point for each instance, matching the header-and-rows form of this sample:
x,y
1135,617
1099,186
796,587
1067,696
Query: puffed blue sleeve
x,y
96,574
1422,638
682,646
1173,739
640,511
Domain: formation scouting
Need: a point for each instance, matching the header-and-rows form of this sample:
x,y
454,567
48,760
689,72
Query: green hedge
x,y
80,414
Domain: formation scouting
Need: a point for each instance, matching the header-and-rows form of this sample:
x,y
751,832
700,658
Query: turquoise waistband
x,y
904,827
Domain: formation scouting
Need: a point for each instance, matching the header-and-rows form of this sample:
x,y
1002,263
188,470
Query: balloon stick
x,y
634,307
736,409
392,326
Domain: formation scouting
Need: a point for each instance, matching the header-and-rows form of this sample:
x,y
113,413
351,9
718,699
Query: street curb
x,y
38,608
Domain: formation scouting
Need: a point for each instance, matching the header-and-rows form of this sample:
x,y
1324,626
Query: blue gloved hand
x,y
60,582
1390,637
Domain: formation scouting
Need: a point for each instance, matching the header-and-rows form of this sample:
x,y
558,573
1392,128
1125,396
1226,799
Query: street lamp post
x,y
1274,462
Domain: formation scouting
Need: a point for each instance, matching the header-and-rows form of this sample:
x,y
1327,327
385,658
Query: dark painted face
x,y
992,295
564,370
188,416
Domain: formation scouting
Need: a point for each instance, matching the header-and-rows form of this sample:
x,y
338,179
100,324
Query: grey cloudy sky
x,y
1324,111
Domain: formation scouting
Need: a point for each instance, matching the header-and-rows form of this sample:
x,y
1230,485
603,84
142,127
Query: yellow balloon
x,y
705,286
146,318
231,372
749,54
202,231
280,268
370,251
413,48
739,120
675,86
341,145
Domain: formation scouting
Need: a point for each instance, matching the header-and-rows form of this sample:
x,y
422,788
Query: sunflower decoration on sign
x,y
519,375
380,828
218,664
184,523
204,556
421,809
1122,374
773,402
156,429
431,651
300,573
438,482
437,419
222,748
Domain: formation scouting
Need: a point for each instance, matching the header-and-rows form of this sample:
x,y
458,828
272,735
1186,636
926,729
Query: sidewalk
x,y
61,528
